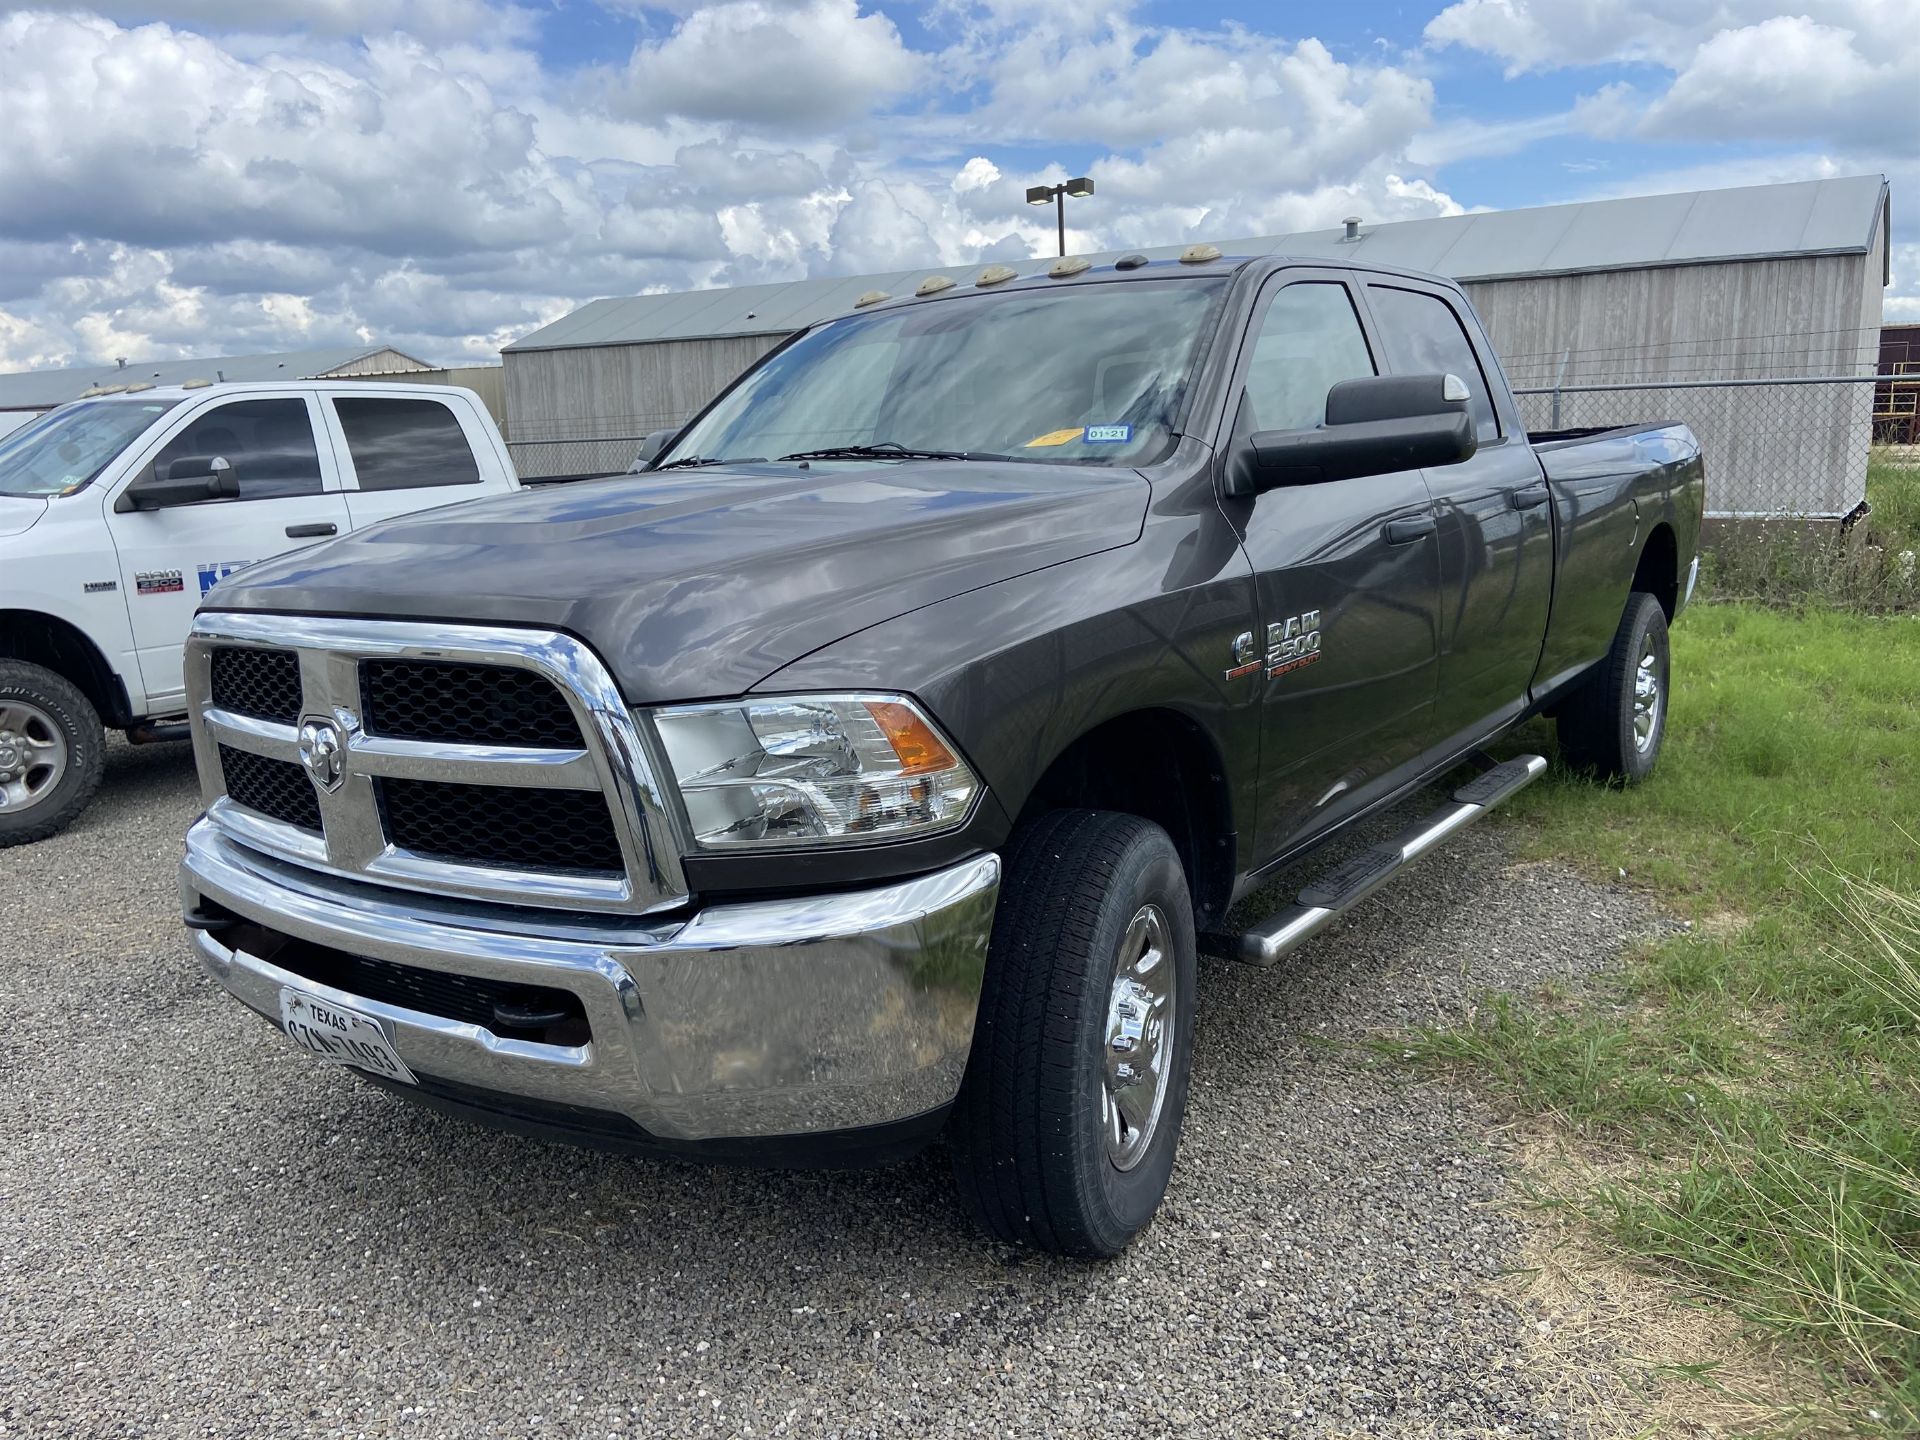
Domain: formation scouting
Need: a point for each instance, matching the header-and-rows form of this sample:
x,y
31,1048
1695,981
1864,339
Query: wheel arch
x,y
1658,571
1182,787
63,647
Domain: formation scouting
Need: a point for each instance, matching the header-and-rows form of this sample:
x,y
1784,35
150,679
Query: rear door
x,y
403,453
170,558
1344,660
1496,527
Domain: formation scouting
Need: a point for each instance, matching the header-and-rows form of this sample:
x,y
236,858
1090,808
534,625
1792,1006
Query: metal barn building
x,y
31,391
1652,293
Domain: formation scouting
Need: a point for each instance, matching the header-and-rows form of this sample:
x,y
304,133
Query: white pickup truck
x,y
119,512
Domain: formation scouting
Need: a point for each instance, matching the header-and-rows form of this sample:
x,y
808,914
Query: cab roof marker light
x,y
872,297
934,284
1130,262
1199,254
997,275
1068,265
195,384
143,385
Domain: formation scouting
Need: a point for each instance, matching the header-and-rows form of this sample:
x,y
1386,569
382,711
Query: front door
x,y
1496,527
170,558
1346,576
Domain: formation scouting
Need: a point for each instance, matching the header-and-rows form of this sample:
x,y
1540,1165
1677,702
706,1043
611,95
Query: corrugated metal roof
x,y
29,389
1755,222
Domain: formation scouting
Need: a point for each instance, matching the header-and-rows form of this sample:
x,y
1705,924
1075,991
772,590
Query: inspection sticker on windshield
x,y
344,1036
1053,437
1108,434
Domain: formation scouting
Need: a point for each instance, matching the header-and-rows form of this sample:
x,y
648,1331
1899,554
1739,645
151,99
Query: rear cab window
x,y
405,443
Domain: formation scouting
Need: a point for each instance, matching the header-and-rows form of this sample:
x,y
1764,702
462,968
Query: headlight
x,y
813,770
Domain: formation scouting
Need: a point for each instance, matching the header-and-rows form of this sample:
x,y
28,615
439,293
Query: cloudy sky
x,y
207,176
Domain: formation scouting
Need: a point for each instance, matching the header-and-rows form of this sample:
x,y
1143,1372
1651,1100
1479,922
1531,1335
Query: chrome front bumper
x,y
774,1018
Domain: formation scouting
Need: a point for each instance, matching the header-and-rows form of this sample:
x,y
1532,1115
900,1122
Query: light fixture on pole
x,y
1056,194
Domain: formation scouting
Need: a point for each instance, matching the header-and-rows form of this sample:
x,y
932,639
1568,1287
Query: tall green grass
x,y
1764,1067
1876,568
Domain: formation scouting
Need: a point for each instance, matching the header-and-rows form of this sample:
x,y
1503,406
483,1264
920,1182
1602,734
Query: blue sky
x,y
444,175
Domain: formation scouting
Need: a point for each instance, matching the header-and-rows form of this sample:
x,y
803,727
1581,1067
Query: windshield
x,y
65,449
1088,374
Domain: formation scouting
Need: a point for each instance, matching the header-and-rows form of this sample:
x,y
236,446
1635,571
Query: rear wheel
x,y
1614,724
52,752
1066,1128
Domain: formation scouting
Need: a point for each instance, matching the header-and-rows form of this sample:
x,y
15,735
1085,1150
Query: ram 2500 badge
x,y
877,763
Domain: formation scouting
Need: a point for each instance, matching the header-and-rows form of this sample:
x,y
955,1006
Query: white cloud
x,y
1544,34
809,65
1794,78
428,19
411,170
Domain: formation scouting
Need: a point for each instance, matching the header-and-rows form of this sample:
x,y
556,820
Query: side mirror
x,y
188,481
1376,425
651,448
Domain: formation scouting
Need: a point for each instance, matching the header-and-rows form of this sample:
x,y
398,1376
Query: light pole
x,y
1041,194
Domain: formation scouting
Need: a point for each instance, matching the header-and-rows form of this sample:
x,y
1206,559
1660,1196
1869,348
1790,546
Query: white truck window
x,y
63,452
405,444
269,444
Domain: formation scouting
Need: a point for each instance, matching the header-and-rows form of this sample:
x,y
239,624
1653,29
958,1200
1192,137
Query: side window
x,y
269,444
1423,336
405,444
1309,342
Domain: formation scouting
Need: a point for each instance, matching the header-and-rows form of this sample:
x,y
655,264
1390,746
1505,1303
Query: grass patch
x,y
1762,1071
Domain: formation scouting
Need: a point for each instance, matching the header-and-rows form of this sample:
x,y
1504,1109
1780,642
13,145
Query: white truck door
x,y
402,453
169,558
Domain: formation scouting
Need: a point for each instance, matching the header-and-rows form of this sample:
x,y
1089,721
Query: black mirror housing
x,y
1376,425
191,480
651,448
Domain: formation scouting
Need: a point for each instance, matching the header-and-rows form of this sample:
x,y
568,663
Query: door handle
x,y
1405,532
1530,496
312,532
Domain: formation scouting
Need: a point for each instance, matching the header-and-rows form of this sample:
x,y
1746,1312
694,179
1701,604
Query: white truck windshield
x,y
1087,374
65,449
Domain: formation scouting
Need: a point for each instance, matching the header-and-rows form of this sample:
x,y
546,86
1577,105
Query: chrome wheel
x,y
33,755
1139,1038
1647,698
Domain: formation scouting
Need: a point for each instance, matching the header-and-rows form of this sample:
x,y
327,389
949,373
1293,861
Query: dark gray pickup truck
x,y
877,764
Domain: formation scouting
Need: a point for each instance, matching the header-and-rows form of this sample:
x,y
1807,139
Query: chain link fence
x,y
1780,446
542,462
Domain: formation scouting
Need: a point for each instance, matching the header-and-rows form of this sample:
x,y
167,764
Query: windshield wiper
x,y
694,460
884,450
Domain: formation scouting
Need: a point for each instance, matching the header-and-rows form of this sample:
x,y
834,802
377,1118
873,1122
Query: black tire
x,y
62,707
1597,725
1030,1149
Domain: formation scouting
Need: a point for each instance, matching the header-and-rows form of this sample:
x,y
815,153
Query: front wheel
x,y
1614,724
52,753
1066,1128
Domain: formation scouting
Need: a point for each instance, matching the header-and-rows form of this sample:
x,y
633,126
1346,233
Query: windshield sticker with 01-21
x,y
1085,434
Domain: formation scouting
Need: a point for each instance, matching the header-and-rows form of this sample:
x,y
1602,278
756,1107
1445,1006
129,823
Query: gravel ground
x,y
202,1232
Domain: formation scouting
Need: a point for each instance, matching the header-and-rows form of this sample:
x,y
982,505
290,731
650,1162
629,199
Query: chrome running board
x,y
1347,884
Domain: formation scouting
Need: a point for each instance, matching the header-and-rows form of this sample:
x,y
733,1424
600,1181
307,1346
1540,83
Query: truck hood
x,y
700,583
18,512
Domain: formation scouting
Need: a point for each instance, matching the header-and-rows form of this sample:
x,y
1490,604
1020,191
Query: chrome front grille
x,y
484,762
277,789
262,683
500,824
471,704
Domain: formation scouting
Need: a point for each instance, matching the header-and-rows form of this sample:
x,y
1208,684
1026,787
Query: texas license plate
x,y
344,1036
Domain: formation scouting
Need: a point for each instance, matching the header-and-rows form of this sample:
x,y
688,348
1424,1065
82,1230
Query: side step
x,y
1347,884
